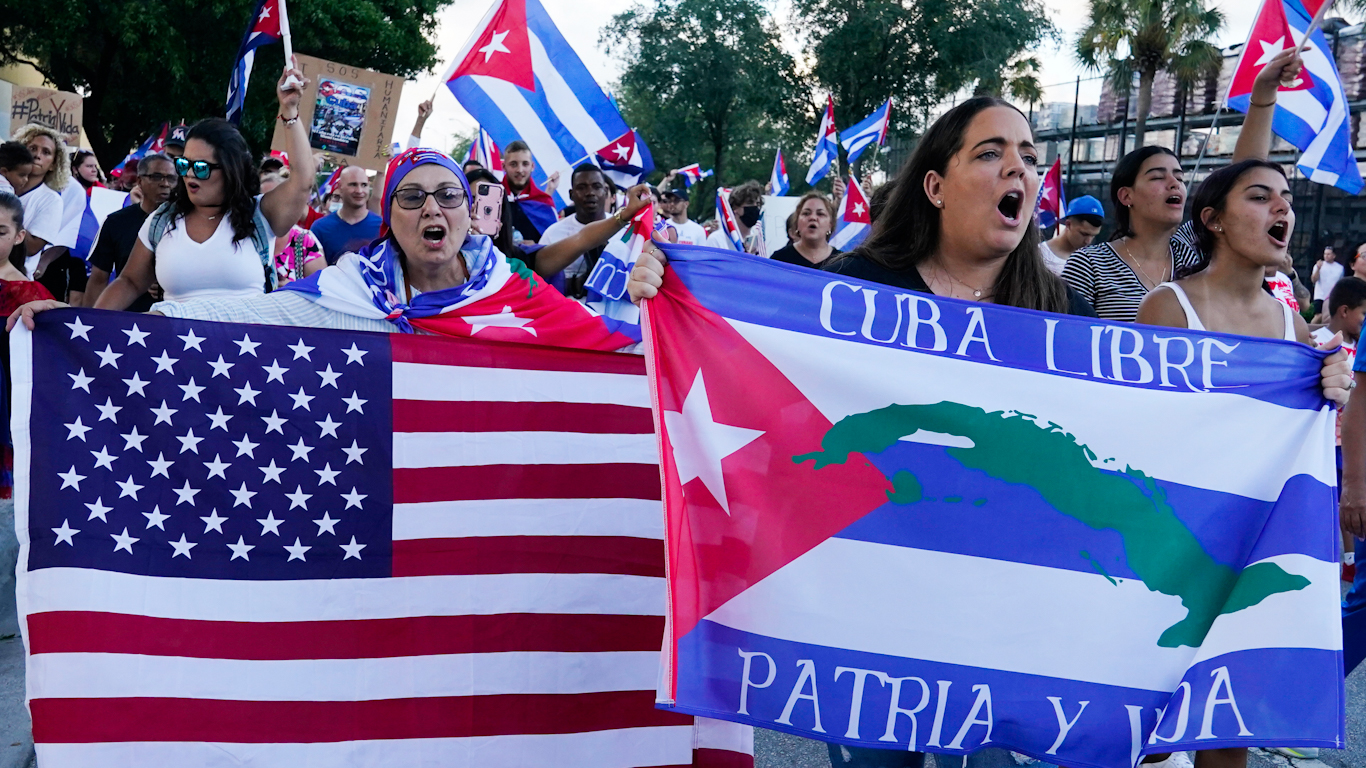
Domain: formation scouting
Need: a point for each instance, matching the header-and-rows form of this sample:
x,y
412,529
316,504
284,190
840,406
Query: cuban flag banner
x,y
827,145
725,216
853,223
99,203
606,284
900,521
1311,113
872,130
264,29
521,79
692,174
777,181
484,151
624,160
1050,208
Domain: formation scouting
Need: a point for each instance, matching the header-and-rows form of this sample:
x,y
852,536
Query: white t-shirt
x,y
563,230
73,209
43,213
718,239
216,268
689,232
1053,261
1330,272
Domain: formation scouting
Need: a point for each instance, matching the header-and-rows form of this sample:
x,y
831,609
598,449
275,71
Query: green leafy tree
x,y
141,63
916,53
1124,37
707,81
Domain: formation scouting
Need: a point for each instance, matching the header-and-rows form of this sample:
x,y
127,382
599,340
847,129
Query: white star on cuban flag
x,y
700,443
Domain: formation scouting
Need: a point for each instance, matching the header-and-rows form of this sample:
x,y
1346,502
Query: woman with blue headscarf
x,y
427,272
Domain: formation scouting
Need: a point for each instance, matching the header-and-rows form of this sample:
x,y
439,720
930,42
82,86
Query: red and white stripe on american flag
x,y
521,627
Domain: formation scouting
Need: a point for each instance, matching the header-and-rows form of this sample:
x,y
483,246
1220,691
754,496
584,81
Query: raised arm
x,y
285,205
1254,141
556,256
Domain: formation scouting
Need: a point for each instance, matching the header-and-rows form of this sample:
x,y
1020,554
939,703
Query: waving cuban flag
x,y
264,29
873,130
625,159
692,174
484,151
853,223
154,143
725,217
827,145
1311,113
521,79
1049,207
778,180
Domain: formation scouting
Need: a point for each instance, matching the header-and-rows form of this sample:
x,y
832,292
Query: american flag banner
x,y
270,546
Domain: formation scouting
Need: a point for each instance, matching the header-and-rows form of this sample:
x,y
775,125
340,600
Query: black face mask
x,y
749,215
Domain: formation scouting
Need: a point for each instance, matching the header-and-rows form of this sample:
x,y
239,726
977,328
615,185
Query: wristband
x,y
288,120
1252,103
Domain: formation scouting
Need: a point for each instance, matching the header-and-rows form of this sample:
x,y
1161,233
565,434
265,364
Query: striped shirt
x,y
1112,286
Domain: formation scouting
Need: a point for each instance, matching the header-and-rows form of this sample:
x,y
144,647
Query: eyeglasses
x,y
201,169
412,198
160,178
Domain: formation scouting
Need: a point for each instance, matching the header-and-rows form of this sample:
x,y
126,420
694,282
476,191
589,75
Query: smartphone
x,y
488,208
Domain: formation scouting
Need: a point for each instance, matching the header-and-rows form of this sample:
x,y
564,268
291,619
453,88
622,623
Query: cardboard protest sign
x,y
24,104
347,111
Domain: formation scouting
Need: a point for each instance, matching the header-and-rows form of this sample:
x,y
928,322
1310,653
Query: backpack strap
x,y
262,239
163,221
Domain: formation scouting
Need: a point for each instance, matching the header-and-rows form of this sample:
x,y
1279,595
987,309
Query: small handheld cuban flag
x,y
606,284
827,145
1050,207
692,174
873,130
725,217
152,144
264,29
777,183
484,151
854,221
1311,112
625,160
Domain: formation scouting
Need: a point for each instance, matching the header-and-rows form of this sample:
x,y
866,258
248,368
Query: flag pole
x,y
1308,33
288,40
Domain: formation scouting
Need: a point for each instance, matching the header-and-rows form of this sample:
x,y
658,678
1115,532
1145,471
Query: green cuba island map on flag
x,y
1014,448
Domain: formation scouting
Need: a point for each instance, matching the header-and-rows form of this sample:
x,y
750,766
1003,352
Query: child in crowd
x,y
15,291
1346,309
15,164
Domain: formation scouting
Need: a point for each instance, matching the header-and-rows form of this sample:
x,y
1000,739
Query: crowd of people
x,y
209,232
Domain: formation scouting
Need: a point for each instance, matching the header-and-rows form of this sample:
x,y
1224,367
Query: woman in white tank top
x,y
1243,220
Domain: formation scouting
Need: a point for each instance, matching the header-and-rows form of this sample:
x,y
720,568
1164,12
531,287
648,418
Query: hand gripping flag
x,y
827,145
901,521
777,181
853,223
520,79
263,29
692,174
872,130
1312,114
331,548
484,151
1049,208
625,159
725,219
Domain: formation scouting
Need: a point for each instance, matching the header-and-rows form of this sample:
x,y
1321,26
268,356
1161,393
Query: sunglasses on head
x,y
412,198
200,169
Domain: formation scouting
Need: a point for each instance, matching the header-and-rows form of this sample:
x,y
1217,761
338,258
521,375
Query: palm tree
x,y
1022,80
1147,36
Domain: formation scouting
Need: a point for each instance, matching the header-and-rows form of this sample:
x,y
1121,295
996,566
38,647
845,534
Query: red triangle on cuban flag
x,y
730,427
856,211
268,20
501,48
1270,35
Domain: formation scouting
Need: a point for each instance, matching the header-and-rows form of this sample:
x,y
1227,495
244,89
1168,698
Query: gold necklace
x,y
976,292
1139,267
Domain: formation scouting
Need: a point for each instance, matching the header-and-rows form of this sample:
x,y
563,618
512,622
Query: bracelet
x,y
288,120
618,216
1252,103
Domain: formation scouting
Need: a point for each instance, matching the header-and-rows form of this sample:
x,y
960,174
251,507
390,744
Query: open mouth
x,y
1280,232
434,234
1175,200
1010,205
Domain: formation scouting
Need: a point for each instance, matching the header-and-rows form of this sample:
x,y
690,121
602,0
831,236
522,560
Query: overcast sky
x,y
581,21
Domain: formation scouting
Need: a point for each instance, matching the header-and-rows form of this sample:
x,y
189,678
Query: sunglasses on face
x,y
412,198
200,169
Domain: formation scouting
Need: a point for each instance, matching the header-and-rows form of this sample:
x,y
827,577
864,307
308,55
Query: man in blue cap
x,y
1078,228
